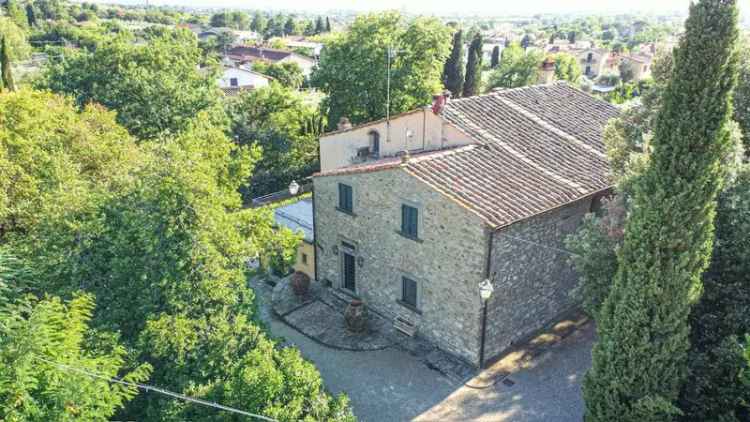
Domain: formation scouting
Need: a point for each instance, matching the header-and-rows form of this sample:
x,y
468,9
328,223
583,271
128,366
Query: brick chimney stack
x,y
439,101
547,71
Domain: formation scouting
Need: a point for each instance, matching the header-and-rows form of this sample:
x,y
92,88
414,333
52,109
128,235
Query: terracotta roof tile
x,y
540,149
537,148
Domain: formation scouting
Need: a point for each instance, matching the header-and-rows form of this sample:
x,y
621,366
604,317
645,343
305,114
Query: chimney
x,y
547,71
439,101
344,124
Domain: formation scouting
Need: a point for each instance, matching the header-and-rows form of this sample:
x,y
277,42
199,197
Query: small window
x,y
409,221
233,82
374,143
345,198
304,258
409,292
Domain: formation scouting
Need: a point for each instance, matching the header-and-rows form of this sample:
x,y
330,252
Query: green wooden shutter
x,y
409,291
409,220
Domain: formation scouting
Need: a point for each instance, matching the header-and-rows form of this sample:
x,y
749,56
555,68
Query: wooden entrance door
x,y
349,272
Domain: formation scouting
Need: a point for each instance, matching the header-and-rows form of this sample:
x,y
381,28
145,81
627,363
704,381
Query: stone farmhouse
x,y
412,214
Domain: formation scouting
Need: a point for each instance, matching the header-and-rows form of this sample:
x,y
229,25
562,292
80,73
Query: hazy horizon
x,y
463,7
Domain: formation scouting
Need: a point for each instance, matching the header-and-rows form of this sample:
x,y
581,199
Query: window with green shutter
x,y
409,221
346,202
409,292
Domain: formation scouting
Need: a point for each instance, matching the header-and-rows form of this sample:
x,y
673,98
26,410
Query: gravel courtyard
x,y
393,385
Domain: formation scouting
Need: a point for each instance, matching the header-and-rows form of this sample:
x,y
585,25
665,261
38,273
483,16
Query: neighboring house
x,y
593,61
240,37
250,54
298,217
489,188
640,65
301,42
236,79
596,61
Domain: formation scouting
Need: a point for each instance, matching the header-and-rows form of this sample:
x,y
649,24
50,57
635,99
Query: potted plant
x,y
355,316
300,283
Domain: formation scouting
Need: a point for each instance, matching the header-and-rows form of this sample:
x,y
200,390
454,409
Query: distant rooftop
x,y
297,217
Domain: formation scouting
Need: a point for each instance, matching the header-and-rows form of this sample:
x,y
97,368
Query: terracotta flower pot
x,y
300,283
355,316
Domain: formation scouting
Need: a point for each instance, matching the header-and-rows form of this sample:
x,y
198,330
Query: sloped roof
x,y
297,216
538,148
263,53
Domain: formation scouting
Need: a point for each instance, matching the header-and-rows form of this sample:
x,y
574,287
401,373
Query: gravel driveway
x,y
392,385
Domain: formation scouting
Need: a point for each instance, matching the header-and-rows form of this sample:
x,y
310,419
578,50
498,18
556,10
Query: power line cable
x,y
154,389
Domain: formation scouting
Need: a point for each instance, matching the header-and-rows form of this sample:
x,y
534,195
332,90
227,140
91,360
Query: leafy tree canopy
x,y
156,232
288,74
348,69
277,120
156,88
517,68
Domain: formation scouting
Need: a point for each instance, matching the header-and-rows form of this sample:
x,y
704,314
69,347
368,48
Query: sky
x,y
486,7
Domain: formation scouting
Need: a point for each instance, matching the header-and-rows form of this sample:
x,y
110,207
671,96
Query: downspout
x,y
315,225
424,126
315,235
487,268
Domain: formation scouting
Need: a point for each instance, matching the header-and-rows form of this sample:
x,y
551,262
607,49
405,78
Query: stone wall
x,y
448,260
533,283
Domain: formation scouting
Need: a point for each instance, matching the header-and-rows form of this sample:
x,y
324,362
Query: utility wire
x,y
154,389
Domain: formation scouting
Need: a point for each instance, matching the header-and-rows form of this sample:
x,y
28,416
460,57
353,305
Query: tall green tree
x,y
19,48
719,322
495,59
45,346
328,24
453,71
16,12
156,88
289,26
277,121
259,23
742,94
156,231
473,80
30,15
348,68
640,360
517,68
288,74
319,25
5,66
567,67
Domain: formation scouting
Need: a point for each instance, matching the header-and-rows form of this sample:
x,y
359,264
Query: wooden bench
x,y
405,324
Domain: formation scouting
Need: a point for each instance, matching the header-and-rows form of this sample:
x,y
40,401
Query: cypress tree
x,y
718,323
289,26
453,71
319,25
473,67
495,59
640,360
328,24
30,15
7,76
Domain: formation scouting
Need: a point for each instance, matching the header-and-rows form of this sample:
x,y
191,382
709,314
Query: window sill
x,y
409,307
408,236
347,212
